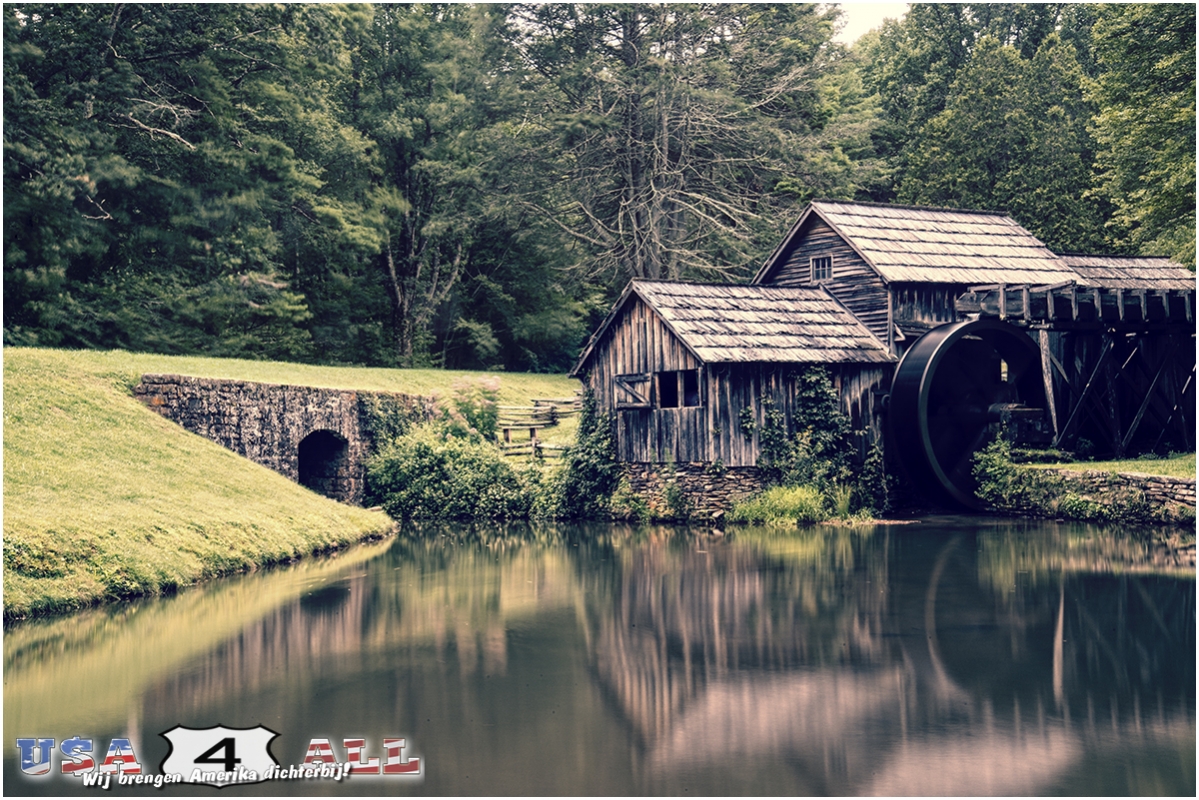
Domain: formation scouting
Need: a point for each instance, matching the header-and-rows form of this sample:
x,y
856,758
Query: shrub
x,y
818,451
385,417
841,501
875,489
429,473
678,504
476,411
1005,486
590,474
782,504
627,504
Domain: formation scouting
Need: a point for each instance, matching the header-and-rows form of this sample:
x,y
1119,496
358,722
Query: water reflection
x,y
953,656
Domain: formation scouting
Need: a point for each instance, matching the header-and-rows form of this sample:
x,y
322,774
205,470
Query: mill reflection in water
x,y
951,656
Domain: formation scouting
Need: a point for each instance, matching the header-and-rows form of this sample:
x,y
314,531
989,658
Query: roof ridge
x,y
755,286
682,283
951,209
1111,255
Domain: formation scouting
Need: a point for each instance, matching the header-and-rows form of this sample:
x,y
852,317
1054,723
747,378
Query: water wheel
x,y
950,391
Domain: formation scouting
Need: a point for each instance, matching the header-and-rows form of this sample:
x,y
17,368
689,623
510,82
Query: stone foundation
x,y
708,489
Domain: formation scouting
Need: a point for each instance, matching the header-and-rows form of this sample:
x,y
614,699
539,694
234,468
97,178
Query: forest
x,y
470,186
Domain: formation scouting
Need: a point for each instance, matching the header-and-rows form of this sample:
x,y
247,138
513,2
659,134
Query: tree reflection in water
x,y
952,656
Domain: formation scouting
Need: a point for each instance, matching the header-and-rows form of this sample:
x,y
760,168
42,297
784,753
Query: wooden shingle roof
x,y
936,245
1130,272
724,323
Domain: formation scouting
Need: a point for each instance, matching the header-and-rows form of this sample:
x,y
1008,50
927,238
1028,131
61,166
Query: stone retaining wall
x,y
708,489
1158,489
1098,495
318,437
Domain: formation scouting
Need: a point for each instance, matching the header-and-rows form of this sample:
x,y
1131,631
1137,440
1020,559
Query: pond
x,y
950,656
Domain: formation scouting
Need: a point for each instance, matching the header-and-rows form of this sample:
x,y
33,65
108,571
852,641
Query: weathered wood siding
x,y
858,287
920,307
925,303
639,343
713,431
859,388
739,386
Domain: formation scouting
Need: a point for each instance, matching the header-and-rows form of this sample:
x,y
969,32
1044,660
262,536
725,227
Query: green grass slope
x,y
104,498
1180,465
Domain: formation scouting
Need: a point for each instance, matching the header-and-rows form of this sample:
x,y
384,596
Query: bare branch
x,y
139,125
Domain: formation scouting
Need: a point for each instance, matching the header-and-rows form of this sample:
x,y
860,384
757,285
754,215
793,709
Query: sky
x,y
862,17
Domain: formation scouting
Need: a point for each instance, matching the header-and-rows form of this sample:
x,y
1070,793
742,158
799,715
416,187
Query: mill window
x,y
822,268
678,388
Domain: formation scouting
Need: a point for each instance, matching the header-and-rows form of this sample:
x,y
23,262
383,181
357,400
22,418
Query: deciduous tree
x,y
1146,125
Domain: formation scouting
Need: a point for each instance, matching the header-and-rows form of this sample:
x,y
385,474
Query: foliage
x,y
678,504
305,182
385,417
841,500
817,450
875,488
469,186
627,504
1022,108
1039,456
816,456
1146,125
591,473
1006,486
782,504
150,160
983,107
671,141
475,410
1013,137
431,474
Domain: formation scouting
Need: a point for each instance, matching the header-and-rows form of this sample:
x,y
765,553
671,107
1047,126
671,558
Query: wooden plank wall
x,y
854,283
739,386
858,386
928,305
639,342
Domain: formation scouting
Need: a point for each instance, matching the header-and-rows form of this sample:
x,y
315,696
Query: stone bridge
x,y
317,437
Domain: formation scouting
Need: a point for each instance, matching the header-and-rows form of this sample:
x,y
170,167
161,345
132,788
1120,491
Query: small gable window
x,y
822,268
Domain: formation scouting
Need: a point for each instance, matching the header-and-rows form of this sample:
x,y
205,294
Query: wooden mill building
x,y
679,362
900,269
1102,345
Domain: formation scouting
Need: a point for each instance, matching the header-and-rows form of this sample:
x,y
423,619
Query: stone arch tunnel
x,y
318,437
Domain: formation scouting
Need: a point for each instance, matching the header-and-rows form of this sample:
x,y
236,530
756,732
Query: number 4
x,y
229,761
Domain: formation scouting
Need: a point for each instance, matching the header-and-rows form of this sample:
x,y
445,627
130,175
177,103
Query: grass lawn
x,y
104,498
1176,466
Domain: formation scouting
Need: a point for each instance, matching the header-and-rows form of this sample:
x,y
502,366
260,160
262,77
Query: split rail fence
x,y
516,421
